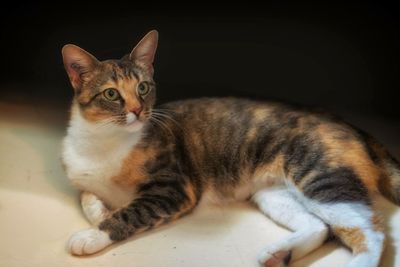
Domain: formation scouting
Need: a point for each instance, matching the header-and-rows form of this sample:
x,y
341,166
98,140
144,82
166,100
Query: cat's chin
x,y
135,126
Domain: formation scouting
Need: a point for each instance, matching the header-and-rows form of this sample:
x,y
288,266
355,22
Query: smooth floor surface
x,y
39,210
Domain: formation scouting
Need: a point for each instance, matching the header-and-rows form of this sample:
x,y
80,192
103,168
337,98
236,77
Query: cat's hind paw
x,y
274,259
88,241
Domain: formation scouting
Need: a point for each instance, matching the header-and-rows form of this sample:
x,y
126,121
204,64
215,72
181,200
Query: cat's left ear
x,y
145,50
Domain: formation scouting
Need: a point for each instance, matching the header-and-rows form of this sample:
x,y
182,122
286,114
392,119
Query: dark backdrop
x,y
332,55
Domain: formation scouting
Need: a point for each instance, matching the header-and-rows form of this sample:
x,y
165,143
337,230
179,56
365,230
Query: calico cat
x,y
139,167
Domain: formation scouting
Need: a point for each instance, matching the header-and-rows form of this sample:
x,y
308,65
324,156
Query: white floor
x,y
39,211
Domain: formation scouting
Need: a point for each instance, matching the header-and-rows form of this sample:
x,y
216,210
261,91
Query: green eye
x,y
111,94
143,89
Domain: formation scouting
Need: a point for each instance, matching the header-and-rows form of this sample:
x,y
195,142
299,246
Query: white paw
x,y
88,242
93,208
274,258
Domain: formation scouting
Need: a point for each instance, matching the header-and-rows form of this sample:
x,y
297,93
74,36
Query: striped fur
x,y
229,147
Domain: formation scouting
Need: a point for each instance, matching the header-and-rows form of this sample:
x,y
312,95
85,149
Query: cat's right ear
x,y
78,63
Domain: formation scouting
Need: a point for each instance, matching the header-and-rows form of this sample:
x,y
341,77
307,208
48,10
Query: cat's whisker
x,y
157,123
115,119
106,124
165,109
161,118
164,115
160,123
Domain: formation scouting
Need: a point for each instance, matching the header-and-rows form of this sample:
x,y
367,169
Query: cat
x,y
139,166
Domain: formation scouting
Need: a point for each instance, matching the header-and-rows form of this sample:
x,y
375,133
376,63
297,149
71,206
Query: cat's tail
x,y
389,183
389,180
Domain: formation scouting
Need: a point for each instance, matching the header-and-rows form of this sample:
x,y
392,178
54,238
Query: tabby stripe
x,y
114,75
137,218
310,163
340,184
174,189
267,150
261,146
150,210
180,194
160,163
157,204
168,204
368,143
160,184
143,215
132,73
233,155
183,156
302,156
125,217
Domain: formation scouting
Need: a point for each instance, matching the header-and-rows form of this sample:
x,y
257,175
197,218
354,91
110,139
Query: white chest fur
x,y
93,154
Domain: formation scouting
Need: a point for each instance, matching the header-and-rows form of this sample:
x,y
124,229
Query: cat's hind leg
x,y
93,208
309,232
357,226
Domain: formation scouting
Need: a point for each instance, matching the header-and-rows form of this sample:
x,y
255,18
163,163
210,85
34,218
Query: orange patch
x,y
251,134
306,180
190,192
95,114
197,146
269,172
354,238
127,88
260,114
349,152
132,171
377,221
188,207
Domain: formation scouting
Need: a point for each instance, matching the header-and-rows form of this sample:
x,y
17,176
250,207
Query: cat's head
x,y
120,92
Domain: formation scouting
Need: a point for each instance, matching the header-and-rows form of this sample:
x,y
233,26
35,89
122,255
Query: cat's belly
x,y
95,175
243,191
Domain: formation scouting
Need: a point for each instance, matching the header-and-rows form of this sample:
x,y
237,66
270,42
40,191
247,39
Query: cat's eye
x,y
111,94
143,89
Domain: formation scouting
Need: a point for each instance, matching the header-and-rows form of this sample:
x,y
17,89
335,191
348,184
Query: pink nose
x,y
137,110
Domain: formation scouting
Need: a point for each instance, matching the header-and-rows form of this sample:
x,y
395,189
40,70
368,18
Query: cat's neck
x,y
97,138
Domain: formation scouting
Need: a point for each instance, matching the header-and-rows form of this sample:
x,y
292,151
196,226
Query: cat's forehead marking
x,y
125,68
121,69
126,85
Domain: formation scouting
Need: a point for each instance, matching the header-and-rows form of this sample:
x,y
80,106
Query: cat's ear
x,y
145,50
78,63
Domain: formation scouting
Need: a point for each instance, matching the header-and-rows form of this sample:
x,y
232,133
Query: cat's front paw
x,y
93,208
88,241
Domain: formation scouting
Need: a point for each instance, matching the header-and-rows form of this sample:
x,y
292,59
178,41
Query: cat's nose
x,y
137,110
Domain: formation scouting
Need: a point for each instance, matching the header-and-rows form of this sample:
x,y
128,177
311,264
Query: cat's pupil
x,y
142,89
111,94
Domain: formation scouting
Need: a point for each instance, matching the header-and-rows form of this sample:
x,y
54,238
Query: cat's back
x,y
226,128
234,114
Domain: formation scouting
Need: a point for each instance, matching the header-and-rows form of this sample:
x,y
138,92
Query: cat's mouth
x,y
133,122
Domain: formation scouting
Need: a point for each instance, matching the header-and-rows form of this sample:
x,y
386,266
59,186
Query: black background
x,y
327,54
